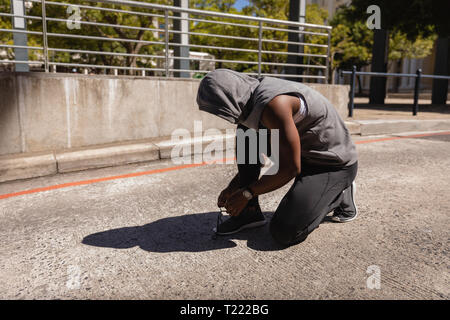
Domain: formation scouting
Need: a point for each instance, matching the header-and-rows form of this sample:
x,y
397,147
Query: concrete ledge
x,y
353,127
106,156
195,145
15,167
89,110
379,127
337,94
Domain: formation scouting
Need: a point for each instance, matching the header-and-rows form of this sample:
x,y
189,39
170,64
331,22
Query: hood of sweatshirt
x,y
226,94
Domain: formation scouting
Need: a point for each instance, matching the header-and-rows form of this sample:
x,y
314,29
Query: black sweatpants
x,y
316,191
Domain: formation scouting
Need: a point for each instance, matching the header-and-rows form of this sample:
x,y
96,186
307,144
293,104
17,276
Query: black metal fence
x,y
418,75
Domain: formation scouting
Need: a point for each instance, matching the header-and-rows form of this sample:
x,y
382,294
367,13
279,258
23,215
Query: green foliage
x,y
216,30
60,27
5,23
412,17
7,37
279,9
351,43
276,9
352,40
315,15
205,33
105,17
401,47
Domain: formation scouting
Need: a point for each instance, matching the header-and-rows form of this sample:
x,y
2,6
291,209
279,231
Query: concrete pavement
x,y
147,236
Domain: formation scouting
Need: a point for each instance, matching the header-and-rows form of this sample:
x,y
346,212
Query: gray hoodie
x,y
240,99
225,93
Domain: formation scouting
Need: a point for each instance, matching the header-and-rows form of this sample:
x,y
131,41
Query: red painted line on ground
x,y
143,173
123,176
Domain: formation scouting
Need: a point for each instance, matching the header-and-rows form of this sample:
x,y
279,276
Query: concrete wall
x,y
48,112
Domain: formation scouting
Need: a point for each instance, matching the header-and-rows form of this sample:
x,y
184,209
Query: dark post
x,y
416,92
297,12
379,64
181,38
352,92
441,67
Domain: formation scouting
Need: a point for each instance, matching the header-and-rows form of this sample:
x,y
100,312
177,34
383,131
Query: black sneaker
x,y
347,210
251,217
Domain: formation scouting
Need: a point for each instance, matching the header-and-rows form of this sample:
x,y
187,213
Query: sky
x,y
240,4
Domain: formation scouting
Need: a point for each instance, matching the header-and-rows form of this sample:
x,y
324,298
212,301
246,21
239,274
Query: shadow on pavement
x,y
187,233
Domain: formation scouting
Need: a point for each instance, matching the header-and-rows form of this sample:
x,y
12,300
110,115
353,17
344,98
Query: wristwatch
x,y
247,193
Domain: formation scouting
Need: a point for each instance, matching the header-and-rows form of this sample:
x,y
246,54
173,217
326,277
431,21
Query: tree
x,y
416,19
352,41
7,37
279,9
137,22
315,15
412,17
274,10
206,27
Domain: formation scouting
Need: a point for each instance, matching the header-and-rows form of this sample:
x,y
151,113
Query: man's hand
x,y
228,191
236,203
225,195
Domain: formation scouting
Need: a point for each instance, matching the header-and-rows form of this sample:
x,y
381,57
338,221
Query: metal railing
x,y
418,75
257,46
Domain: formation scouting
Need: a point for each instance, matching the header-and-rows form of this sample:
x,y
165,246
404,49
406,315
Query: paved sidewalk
x,y
398,109
148,236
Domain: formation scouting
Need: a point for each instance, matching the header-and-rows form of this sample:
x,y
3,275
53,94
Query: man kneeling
x,y
314,146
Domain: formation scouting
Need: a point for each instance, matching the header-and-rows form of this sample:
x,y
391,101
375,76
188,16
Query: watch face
x,y
247,194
